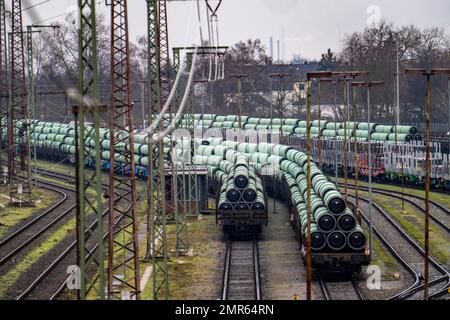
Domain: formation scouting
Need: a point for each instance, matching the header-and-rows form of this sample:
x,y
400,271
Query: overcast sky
x,y
309,26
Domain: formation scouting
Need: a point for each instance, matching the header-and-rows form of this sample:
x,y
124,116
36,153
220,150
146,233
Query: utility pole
x,y
123,249
319,110
397,123
397,75
347,76
4,90
143,111
31,98
89,197
271,121
20,187
186,172
308,200
187,185
355,153
156,183
310,76
32,89
319,115
281,96
335,83
239,88
427,74
448,91
369,85
165,86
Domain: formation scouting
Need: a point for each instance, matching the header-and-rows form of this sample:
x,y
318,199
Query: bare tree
x,y
375,50
57,51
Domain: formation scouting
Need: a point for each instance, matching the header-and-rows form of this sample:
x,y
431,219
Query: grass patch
x,y
381,257
412,221
441,198
90,191
125,237
56,167
8,279
193,277
10,215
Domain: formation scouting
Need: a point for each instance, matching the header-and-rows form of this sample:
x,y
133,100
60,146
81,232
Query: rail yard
x,y
143,170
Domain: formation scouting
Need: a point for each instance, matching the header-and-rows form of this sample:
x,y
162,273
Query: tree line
x,y
374,49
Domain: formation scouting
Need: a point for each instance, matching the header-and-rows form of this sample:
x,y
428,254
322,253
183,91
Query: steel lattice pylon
x,y
4,96
186,180
165,86
123,257
20,190
194,190
31,95
91,253
156,195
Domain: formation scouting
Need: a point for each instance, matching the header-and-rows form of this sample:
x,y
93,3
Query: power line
x,y
35,5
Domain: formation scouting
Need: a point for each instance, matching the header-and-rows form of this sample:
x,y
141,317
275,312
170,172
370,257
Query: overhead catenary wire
x,y
151,130
183,104
71,89
210,40
200,22
217,48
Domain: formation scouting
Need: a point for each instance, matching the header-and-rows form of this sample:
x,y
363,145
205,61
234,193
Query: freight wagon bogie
x,y
344,258
342,265
242,223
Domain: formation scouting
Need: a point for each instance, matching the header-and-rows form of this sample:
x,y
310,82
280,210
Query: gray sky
x,y
309,26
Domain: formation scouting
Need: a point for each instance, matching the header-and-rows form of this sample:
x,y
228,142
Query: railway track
x,y
408,267
58,266
52,282
345,290
22,239
350,290
47,271
29,224
412,254
241,280
57,175
439,214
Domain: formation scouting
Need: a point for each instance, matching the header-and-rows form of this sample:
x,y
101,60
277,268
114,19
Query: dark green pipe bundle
x,y
357,240
336,240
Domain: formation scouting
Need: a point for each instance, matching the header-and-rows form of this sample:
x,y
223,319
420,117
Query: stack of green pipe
x,y
333,126
316,124
331,217
400,137
243,188
250,126
291,126
405,130
384,129
318,238
253,121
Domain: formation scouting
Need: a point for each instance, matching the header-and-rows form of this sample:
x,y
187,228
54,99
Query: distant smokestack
x,y
278,45
271,47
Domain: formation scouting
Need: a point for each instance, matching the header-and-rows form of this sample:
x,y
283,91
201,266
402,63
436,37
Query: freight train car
x,y
241,200
339,246
242,219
